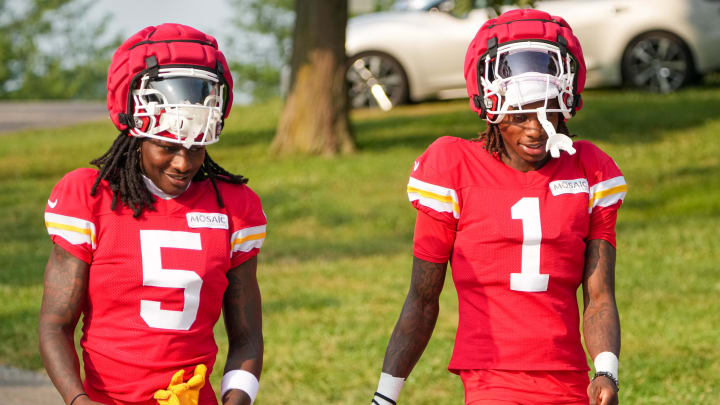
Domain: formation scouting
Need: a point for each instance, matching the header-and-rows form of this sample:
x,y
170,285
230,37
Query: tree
x,y
45,53
264,45
496,5
315,116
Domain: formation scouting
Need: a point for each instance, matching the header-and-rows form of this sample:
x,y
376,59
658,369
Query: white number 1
x,y
154,275
529,279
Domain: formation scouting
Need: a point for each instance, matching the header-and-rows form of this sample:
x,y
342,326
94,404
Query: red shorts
x,y
503,387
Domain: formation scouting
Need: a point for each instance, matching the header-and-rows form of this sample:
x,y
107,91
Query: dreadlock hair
x,y
120,166
494,141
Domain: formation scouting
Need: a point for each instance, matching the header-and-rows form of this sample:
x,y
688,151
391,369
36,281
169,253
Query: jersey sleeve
x,y
431,186
607,192
432,191
69,218
249,225
433,240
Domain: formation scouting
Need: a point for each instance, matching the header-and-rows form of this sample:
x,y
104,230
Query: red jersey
x,y
156,282
516,244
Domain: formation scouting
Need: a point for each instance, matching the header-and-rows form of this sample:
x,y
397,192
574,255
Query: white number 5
x,y
529,279
154,275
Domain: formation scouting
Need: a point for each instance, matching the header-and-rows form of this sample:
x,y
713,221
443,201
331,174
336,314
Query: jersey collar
x,y
159,193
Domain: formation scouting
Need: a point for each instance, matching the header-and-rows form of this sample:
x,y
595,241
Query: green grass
x,y
335,267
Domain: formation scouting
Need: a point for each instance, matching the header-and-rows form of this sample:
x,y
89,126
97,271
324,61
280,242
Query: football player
x,y
525,217
152,245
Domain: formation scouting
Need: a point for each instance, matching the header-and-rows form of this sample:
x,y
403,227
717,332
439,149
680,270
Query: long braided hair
x,y
120,166
494,141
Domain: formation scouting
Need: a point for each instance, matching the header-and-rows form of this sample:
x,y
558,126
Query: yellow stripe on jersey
x,y
247,239
74,230
250,237
438,198
607,193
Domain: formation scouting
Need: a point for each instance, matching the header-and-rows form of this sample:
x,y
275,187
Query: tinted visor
x,y
185,90
517,63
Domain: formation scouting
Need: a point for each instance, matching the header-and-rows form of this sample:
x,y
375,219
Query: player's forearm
x,y
64,295
57,350
417,319
246,354
243,319
601,328
410,336
601,323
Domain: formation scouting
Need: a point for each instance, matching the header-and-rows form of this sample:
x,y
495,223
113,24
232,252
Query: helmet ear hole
x,y
480,105
577,103
491,104
144,123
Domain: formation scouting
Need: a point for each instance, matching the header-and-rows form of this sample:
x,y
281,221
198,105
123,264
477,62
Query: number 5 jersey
x,y
516,244
156,282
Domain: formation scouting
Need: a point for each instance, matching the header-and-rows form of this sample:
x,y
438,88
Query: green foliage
x,y
45,53
497,5
265,46
335,268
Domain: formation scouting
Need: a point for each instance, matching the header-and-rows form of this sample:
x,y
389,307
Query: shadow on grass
x,y
643,117
415,131
243,137
616,116
300,301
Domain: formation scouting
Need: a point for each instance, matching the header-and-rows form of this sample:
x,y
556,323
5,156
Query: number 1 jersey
x,y
156,282
516,244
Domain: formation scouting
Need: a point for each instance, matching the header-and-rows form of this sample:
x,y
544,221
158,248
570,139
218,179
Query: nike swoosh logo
x,y
52,204
417,164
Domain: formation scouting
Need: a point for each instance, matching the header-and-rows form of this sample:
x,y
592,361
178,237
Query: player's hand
x,y
602,391
181,393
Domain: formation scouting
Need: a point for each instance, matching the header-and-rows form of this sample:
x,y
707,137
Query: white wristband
x,y
389,387
240,380
607,362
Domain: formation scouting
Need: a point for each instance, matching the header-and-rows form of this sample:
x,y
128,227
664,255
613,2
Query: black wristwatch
x,y
609,376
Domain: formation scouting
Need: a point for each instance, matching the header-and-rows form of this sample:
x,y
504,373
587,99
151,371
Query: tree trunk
x,y
315,117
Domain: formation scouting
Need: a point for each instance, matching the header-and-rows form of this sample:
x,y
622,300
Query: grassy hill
x,y
335,267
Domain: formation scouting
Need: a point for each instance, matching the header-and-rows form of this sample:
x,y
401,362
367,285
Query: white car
x,y
417,51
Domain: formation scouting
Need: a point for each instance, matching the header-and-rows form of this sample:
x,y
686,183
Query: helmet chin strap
x,y
556,142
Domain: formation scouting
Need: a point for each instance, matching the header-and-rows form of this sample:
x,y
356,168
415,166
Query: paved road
x,y
20,387
48,114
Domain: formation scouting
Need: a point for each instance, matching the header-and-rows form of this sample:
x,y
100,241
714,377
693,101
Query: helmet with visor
x,y
170,82
523,57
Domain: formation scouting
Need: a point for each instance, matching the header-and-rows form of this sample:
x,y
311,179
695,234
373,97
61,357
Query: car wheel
x,y
366,71
657,61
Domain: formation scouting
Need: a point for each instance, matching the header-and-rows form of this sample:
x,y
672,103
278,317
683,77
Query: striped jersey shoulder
x,y
607,192
68,213
433,176
247,239
249,219
438,198
606,181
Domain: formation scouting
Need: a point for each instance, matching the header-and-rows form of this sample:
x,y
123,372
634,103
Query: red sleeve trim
x,y
242,257
433,240
75,250
602,223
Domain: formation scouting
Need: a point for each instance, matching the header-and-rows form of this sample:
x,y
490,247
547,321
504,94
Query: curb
x,y
23,387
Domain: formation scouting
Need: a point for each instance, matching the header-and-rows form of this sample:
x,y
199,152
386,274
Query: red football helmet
x,y
521,57
170,82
